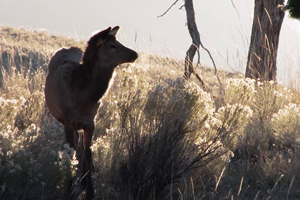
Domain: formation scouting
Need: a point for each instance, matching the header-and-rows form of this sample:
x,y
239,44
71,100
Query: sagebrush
x,y
158,136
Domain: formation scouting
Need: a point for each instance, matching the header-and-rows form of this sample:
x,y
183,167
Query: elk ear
x,y
101,36
114,31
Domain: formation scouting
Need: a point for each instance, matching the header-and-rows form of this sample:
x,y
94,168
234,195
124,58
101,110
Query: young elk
x,y
73,89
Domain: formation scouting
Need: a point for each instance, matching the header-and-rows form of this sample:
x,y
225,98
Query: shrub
x,y
32,164
161,135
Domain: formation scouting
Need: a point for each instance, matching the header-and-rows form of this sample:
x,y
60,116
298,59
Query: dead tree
x,y
262,55
194,33
196,43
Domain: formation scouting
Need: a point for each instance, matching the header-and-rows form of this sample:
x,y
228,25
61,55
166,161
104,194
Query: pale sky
x,y
224,31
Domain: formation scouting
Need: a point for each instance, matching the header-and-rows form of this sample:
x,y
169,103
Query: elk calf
x,y
73,88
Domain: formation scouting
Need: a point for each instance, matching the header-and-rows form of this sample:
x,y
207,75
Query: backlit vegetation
x,y
157,135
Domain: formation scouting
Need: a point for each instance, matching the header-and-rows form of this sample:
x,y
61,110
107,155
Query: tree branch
x,y
194,33
168,9
196,42
214,64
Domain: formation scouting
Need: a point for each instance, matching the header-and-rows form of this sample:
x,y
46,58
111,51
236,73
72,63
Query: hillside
x,y
33,49
157,135
28,48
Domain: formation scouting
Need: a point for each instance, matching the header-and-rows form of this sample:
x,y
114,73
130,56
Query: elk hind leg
x,y
87,161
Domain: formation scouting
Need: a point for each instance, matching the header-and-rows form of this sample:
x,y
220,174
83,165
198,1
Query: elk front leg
x,y
69,132
71,136
72,140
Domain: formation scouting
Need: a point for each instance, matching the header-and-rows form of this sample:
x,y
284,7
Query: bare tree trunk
x,y
196,43
266,28
193,30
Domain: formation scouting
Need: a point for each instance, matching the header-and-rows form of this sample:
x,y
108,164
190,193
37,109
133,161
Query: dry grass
x,y
157,135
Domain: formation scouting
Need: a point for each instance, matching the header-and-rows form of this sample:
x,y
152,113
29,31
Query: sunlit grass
x,y
158,136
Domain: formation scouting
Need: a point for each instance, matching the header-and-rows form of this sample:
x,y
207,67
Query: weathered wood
x,y
194,33
266,28
196,43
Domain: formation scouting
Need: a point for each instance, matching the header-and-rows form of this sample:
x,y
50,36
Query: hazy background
x,y
224,30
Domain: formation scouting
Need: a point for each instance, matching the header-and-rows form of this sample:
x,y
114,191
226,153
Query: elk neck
x,y
98,78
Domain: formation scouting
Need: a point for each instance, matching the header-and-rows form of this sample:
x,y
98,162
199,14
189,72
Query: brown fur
x,y
73,89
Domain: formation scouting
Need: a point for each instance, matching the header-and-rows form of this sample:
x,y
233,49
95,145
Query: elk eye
x,y
113,46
